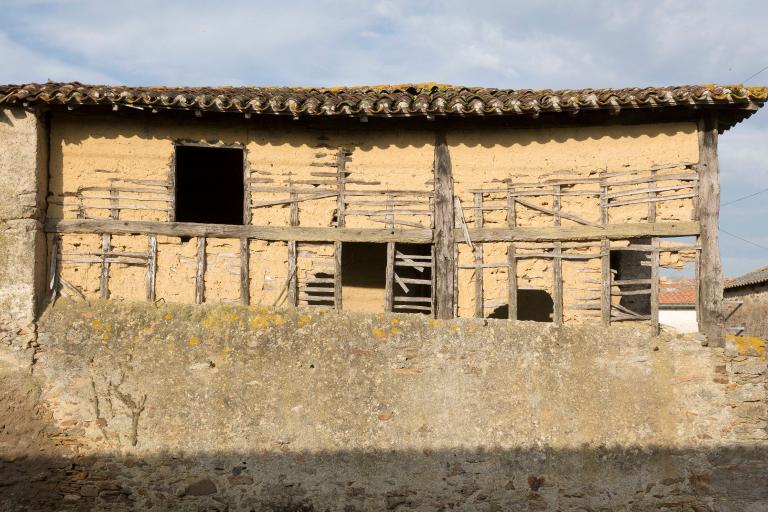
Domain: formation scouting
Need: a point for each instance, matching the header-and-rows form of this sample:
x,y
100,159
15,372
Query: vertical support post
x,y
292,255
652,195
390,269
557,275
151,267
603,199
605,281
341,178
711,271
445,255
245,271
655,286
114,203
556,204
54,283
200,274
106,242
479,301
511,259
337,302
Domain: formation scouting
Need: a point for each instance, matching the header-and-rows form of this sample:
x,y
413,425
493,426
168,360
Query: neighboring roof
x,y
677,292
389,100
755,277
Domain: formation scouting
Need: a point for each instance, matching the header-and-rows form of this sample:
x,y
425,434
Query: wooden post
x,y
245,256
337,302
390,269
106,242
557,276
151,268
341,178
445,265
556,204
511,259
710,269
200,273
655,286
54,286
479,301
652,195
293,278
603,199
605,281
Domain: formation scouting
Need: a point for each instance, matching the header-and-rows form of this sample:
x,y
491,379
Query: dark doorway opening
x,y
413,268
532,305
209,185
363,276
633,265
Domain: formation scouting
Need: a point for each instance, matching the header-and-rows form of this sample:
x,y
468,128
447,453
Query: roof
x,y
677,292
424,99
755,277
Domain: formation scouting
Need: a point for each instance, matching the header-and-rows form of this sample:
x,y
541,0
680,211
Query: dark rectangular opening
x,y
209,185
363,276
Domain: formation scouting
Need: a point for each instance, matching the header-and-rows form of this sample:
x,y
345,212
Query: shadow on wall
x,y
532,305
646,478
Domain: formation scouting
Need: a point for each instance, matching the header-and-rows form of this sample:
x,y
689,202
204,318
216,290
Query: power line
x,y
745,197
744,239
753,76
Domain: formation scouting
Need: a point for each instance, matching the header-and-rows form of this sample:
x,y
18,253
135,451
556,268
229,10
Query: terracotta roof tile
x,y
387,100
678,292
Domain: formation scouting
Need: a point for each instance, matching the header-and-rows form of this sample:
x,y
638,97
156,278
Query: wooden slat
x,y
651,200
413,299
106,240
445,268
151,268
337,302
200,271
583,233
710,267
605,282
479,312
245,256
655,287
562,214
557,276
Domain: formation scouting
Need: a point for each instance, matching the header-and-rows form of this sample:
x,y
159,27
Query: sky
x,y
507,44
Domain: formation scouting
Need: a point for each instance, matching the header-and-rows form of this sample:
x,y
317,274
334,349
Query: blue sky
x,y
524,44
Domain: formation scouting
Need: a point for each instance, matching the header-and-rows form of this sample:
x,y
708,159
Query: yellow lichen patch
x,y
395,321
434,323
105,337
277,319
258,322
394,330
107,327
193,340
96,324
304,320
746,345
379,333
168,317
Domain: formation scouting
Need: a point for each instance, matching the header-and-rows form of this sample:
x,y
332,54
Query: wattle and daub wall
x,y
169,406
96,160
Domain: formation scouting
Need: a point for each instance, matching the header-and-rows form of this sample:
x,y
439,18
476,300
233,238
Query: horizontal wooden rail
x,y
416,236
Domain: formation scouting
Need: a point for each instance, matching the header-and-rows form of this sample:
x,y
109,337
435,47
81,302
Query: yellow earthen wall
x,y
101,152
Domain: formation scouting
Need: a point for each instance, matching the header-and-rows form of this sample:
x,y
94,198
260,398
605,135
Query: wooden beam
x,y
271,233
200,272
654,287
390,268
106,240
511,259
583,233
605,281
710,267
151,268
337,283
444,234
557,276
292,274
54,272
479,308
245,256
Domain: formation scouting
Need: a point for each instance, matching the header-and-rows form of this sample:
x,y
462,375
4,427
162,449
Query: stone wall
x,y
752,315
175,407
23,178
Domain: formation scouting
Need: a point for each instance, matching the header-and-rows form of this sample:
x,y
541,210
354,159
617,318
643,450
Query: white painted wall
x,y
683,320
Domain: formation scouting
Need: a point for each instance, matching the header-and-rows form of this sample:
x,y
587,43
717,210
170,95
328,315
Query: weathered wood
x,y
583,233
479,311
390,277
557,276
651,200
558,214
605,281
654,287
649,190
151,268
711,270
511,282
556,204
603,199
245,273
54,271
276,233
341,178
106,240
200,271
444,231
337,283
